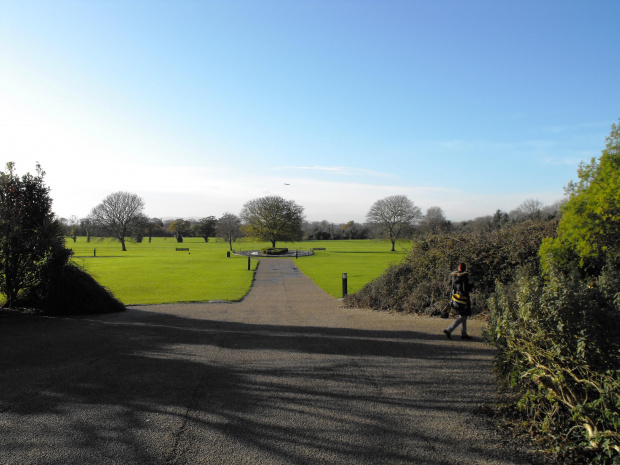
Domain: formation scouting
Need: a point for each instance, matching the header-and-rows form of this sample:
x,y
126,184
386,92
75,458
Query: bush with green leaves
x,y
34,262
559,351
589,233
31,239
274,251
69,290
420,283
557,331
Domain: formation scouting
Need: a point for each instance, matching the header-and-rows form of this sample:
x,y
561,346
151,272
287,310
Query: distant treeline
x,y
432,222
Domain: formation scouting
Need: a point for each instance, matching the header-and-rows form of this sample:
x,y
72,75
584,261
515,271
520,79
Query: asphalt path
x,y
286,376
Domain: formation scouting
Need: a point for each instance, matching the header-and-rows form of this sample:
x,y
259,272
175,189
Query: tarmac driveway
x,y
287,376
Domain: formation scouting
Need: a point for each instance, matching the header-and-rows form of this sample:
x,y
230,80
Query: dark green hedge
x,y
70,291
420,283
274,251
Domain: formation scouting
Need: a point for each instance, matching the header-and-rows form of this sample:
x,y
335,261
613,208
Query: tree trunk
x,y
123,244
393,243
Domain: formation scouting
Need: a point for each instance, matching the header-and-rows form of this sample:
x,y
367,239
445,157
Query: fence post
x,y
249,267
94,252
344,285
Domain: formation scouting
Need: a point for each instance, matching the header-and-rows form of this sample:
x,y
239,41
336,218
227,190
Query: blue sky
x,y
200,106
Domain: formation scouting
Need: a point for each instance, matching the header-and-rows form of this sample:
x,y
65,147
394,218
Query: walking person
x,y
460,289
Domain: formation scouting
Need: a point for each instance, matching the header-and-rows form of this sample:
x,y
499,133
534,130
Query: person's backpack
x,y
460,293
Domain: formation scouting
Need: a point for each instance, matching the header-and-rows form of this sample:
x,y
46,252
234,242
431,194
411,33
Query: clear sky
x,y
200,106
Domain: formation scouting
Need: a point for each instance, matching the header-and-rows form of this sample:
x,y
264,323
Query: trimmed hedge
x,y
70,291
274,251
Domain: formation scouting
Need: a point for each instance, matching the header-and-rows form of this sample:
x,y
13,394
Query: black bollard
x,y
249,267
344,285
94,252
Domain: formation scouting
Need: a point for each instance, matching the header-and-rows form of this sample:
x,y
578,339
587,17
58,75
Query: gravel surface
x,y
287,376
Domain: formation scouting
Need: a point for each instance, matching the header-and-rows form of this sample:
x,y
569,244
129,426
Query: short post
x,y
228,254
94,252
249,267
296,254
344,285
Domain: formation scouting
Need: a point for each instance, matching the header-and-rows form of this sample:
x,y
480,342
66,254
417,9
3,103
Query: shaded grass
x,y
152,273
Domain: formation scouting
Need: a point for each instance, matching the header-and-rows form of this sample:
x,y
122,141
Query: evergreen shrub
x,y
420,283
274,251
70,290
559,351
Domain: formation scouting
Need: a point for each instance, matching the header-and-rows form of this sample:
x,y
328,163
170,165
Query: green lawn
x,y
362,260
157,273
151,273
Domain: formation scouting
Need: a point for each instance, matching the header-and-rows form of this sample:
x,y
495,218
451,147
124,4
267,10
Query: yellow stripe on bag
x,y
459,299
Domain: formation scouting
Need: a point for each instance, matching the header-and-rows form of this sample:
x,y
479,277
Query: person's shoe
x,y
447,333
466,336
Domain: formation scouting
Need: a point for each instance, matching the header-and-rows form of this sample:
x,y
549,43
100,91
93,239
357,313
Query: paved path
x,y
287,376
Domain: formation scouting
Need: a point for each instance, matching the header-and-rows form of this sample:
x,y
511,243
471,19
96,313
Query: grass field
x,y
150,273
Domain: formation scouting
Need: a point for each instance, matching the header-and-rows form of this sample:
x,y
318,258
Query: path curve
x,y
286,376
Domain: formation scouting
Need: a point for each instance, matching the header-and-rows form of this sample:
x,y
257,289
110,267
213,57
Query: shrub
x,y
559,350
70,291
420,283
274,251
557,331
30,237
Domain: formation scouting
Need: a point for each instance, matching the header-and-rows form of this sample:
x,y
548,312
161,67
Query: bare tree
x,y
529,210
116,214
229,228
273,219
393,217
434,221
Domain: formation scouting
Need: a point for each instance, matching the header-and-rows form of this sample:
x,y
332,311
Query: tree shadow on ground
x,y
145,387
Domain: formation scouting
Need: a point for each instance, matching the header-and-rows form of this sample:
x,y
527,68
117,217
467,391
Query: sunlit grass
x,y
156,273
362,260
151,273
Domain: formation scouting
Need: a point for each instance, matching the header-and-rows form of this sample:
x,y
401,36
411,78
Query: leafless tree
x,y
529,210
434,221
229,228
393,217
116,214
